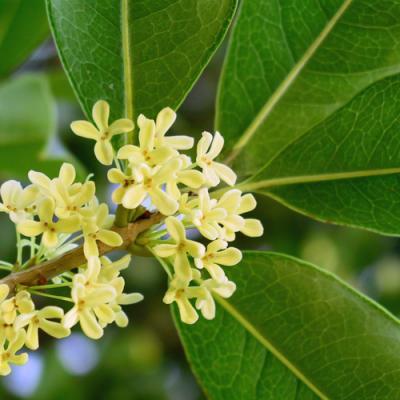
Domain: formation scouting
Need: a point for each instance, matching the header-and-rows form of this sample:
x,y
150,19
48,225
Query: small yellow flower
x,y
127,183
181,249
18,203
147,152
187,176
66,177
207,217
92,301
148,182
119,316
41,319
21,303
8,350
102,132
46,226
95,221
165,119
217,254
235,204
205,301
208,148
180,292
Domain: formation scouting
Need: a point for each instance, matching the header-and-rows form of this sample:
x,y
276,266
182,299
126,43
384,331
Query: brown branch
x,y
74,258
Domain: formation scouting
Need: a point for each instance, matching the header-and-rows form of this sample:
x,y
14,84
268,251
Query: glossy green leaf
x,y
345,169
138,55
291,64
321,135
292,330
27,124
23,26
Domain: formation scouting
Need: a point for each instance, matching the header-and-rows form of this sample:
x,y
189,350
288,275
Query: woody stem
x,y
74,258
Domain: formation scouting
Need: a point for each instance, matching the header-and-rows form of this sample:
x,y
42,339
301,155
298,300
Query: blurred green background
x,y
146,360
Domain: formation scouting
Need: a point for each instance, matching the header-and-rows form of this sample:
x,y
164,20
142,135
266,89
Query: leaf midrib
x,y
286,83
268,345
127,65
292,180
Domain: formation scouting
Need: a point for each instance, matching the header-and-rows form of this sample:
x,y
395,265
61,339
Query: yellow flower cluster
x,y
62,212
155,169
53,216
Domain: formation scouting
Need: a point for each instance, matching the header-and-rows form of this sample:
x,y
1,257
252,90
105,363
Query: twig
x,y
74,258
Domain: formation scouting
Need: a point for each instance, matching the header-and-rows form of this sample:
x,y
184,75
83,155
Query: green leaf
x,y
138,55
291,64
23,26
345,169
290,329
27,123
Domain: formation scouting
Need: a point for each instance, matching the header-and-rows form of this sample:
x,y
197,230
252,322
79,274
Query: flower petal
x,y
104,152
101,113
110,238
85,129
123,125
225,173
89,324
165,119
175,229
30,228
252,227
165,203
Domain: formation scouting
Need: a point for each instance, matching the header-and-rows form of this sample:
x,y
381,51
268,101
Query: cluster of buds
x,y
55,216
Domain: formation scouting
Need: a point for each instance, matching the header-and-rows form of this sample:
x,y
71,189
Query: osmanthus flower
x,y
66,177
102,132
205,301
42,319
67,213
91,301
217,254
9,349
181,292
148,183
95,223
20,303
180,249
18,203
110,273
235,204
123,194
186,176
208,148
69,202
146,152
207,216
122,299
46,225
165,119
